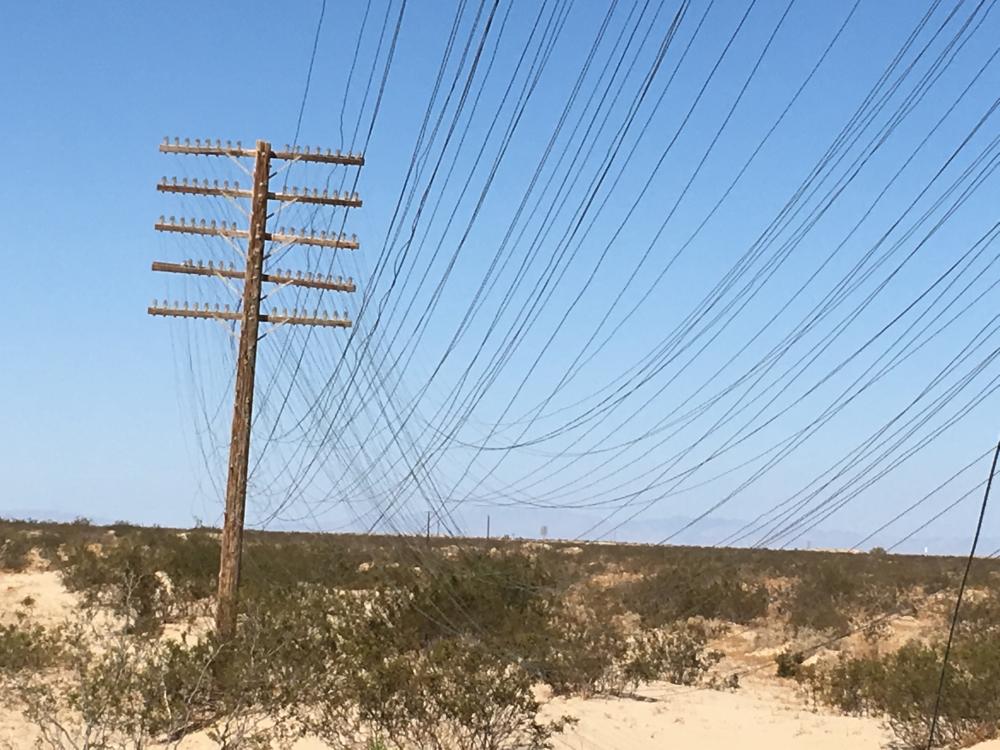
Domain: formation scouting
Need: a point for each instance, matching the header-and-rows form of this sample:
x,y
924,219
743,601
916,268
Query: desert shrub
x,y
122,577
191,563
473,699
15,549
138,694
578,652
305,658
26,647
678,593
876,630
106,698
130,692
854,685
821,598
124,527
789,663
276,565
500,600
830,596
147,582
939,580
348,669
970,704
455,695
587,652
903,686
679,654
980,614
44,542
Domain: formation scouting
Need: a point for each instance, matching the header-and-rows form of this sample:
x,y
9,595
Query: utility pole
x,y
248,313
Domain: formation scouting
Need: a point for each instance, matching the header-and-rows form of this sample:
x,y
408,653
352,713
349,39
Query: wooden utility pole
x,y
249,315
239,445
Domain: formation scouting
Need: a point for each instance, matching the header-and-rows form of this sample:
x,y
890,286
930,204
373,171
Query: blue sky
x,y
100,411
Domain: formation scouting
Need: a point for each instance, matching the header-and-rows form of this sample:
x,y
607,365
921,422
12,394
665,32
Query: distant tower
x,y
544,532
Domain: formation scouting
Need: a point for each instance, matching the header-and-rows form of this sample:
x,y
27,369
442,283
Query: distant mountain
x,y
708,532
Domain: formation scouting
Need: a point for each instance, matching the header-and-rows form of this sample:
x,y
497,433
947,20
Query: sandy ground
x,y
749,719
755,716
752,718
52,604
761,714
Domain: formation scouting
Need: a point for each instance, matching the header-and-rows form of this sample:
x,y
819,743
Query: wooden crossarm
x,y
312,281
296,320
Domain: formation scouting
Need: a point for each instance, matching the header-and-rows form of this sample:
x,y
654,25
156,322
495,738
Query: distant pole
x,y
487,527
428,527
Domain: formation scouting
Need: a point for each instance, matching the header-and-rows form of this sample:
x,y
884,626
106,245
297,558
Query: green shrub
x,y
903,687
830,596
577,653
457,694
122,577
26,647
789,663
590,652
145,581
15,549
132,692
502,600
302,659
855,686
679,655
678,593
821,598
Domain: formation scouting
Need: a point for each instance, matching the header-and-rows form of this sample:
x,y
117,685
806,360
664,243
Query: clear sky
x,y
111,414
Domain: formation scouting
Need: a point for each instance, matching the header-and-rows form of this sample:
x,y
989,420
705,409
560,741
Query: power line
x,y
958,601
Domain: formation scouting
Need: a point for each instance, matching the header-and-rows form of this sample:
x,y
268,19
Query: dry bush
x,y
25,647
902,687
456,695
789,663
308,659
111,697
713,592
587,652
492,598
118,690
579,653
678,654
147,579
15,551
831,596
